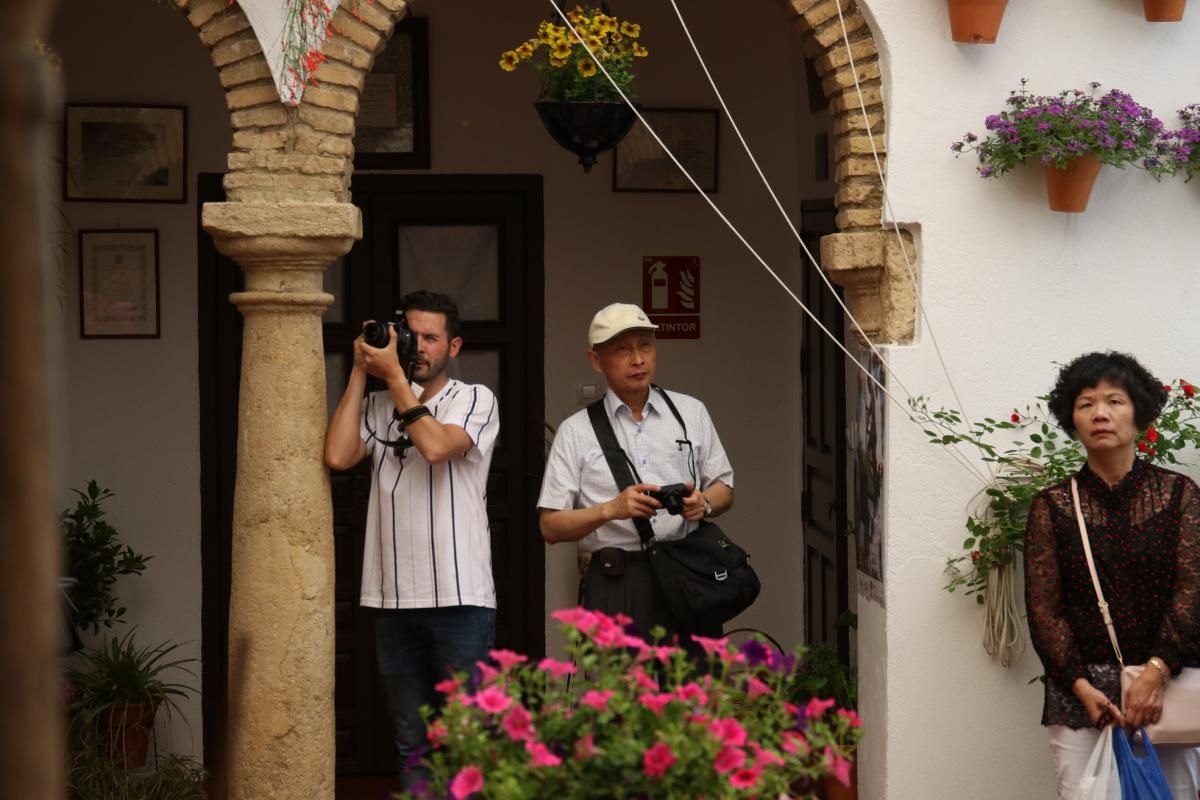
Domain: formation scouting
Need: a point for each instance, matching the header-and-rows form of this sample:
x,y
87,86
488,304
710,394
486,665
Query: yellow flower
x,y
640,51
525,51
594,43
587,68
558,62
543,33
560,50
631,29
616,37
509,60
606,23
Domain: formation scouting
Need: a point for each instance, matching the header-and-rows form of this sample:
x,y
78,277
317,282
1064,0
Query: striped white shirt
x,y
578,476
428,543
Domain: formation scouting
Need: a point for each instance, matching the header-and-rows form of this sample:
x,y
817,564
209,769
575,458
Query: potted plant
x,y
94,558
580,107
640,715
1040,457
94,776
1164,10
1179,151
976,21
820,673
120,687
1071,135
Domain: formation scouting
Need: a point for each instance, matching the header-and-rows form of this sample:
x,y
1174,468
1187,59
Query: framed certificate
x,y
118,284
125,154
392,127
641,165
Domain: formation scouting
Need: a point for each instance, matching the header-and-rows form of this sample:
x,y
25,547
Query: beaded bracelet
x,y
1162,672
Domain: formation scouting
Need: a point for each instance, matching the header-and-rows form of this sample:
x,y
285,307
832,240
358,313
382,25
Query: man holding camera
x,y
427,560
580,501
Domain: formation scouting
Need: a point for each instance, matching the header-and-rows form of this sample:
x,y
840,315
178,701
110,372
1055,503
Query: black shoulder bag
x,y
705,578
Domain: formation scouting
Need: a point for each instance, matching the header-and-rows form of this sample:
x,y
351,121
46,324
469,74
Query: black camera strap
x,y
624,472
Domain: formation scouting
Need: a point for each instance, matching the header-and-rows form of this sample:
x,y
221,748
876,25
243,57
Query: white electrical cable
x,y
896,226
836,340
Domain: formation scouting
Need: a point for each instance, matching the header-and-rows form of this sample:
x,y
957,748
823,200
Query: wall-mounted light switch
x,y
586,393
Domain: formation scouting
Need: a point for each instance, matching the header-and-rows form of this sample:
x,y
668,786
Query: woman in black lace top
x,y
1144,526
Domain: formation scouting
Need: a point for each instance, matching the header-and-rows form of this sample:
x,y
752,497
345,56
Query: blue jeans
x,y
417,648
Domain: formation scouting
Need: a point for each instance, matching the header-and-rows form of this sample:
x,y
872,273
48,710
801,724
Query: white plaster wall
x,y
1009,287
132,406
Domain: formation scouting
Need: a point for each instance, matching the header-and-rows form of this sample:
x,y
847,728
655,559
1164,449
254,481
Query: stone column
x,y
281,625
32,712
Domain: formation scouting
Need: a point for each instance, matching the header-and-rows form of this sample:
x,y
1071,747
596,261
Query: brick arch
x,y
863,257
294,154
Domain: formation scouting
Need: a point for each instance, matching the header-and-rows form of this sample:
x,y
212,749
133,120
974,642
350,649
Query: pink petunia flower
x,y
794,743
851,715
507,659
437,732
729,731
656,702
540,755
448,686
765,758
517,723
467,782
487,673
838,766
690,692
585,748
558,669
579,618
643,680
597,700
817,707
756,688
729,759
745,778
712,647
492,700
657,760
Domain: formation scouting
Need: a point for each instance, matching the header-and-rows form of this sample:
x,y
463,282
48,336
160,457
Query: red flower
x,y
1151,434
975,554
1188,389
1167,388
1016,417
1142,446
657,760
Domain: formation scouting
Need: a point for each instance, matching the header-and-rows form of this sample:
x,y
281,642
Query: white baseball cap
x,y
615,319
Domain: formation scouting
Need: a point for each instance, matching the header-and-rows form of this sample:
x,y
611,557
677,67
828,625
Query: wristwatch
x,y
707,506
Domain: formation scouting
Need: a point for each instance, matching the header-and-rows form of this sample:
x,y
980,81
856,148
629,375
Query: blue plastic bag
x,y
1141,778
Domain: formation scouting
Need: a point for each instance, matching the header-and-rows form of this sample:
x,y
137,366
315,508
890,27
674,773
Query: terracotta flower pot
x,y
976,21
1164,10
127,730
833,789
1069,189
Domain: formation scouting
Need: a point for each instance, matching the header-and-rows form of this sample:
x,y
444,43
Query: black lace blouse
x,y
1145,538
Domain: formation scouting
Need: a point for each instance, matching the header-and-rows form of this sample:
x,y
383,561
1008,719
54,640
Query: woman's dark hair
x,y
433,303
1119,369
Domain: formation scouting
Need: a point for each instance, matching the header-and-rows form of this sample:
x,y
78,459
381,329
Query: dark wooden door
x,y
822,367
479,238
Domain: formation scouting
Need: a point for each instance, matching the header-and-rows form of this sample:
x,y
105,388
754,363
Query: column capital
x,y
274,235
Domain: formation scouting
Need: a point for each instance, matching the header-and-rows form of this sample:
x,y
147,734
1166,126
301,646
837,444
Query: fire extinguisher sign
x,y
671,295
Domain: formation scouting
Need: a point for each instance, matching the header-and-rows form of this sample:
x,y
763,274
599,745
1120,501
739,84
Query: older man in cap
x,y
667,438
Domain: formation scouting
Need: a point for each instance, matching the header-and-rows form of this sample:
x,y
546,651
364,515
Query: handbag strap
x,y
1087,552
623,471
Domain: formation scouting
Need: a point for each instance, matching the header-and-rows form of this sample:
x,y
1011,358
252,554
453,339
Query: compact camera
x,y
376,335
671,496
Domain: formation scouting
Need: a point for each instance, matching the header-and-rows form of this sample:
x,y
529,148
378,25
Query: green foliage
x,y
568,70
1040,456
120,672
93,775
820,673
95,557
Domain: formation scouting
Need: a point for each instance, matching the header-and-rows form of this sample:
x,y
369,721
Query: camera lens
x,y
376,334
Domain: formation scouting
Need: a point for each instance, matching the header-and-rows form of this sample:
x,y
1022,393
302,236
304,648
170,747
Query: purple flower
x,y
755,652
986,172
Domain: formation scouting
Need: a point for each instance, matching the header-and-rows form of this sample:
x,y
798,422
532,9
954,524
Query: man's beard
x,y
425,372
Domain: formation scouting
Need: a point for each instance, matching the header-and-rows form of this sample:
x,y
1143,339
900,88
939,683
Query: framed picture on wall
x,y
125,154
641,165
118,284
392,130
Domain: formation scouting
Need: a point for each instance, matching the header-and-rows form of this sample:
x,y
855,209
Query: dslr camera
x,y
376,335
671,496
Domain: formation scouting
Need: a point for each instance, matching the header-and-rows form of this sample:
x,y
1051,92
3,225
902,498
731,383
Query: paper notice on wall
x,y
377,103
866,442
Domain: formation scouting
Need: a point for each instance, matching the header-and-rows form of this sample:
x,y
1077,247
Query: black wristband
x,y
414,414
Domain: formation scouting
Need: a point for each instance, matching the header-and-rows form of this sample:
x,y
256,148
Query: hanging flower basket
x,y
977,21
1164,10
1069,188
583,109
584,127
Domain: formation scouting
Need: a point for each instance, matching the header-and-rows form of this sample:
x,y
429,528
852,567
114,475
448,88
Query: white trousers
x,y
1071,750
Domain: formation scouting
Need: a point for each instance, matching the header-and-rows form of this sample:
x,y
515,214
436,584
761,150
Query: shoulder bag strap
x,y
623,472
1087,552
685,440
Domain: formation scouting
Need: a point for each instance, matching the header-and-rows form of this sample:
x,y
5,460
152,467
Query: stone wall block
x,y
852,120
342,49
324,119
824,11
858,165
837,55
801,7
848,99
831,32
852,218
360,33
858,144
310,141
261,196
235,48
337,98
259,139
369,13
267,116
843,78
399,8
223,26
247,71
899,294
252,94
201,11
340,74
860,191
277,162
